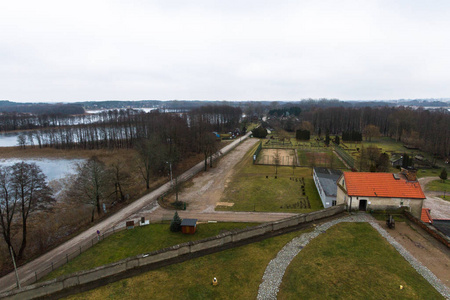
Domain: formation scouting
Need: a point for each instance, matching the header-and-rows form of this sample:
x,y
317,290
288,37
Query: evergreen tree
x,y
407,161
443,174
337,140
327,139
175,225
259,132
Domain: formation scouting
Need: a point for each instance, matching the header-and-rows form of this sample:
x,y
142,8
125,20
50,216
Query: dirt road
x,y
431,253
26,271
207,190
439,208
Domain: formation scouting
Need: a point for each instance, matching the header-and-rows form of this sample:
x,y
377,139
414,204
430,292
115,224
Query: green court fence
x,y
350,161
255,155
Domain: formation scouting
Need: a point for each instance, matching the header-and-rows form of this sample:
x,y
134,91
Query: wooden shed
x,y
189,226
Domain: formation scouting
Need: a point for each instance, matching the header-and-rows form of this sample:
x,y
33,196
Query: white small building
x,y
379,191
326,184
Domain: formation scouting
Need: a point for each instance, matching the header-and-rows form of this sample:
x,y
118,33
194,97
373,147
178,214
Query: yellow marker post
x,y
215,282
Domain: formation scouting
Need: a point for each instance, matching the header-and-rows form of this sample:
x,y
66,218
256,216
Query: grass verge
x,y
352,261
446,197
239,272
139,240
438,185
250,190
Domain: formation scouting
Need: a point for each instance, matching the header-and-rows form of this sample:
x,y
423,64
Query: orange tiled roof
x,y
381,185
425,216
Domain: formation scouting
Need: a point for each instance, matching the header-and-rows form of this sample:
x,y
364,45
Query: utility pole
x,y
15,268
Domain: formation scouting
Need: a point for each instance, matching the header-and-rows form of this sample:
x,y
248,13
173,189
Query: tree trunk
x,y
24,239
98,205
122,196
93,213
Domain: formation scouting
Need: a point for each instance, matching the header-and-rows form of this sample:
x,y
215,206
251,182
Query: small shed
x,y
396,161
189,226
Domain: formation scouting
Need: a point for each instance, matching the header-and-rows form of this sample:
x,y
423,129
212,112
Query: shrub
x,y
303,135
259,132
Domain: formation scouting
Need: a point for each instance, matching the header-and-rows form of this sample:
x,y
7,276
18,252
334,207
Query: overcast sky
x,y
223,50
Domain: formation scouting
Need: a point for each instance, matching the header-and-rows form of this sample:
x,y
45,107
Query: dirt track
x,y
207,190
431,253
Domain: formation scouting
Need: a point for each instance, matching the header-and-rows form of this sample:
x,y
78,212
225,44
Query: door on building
x,y
362,205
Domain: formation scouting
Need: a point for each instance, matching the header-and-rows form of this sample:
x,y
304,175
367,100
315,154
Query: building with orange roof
x,y
425,216
379,191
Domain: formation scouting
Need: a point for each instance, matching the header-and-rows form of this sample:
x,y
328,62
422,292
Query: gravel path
x,y
274,273
439,208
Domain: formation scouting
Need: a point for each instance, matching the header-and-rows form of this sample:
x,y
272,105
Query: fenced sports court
x,y
268,156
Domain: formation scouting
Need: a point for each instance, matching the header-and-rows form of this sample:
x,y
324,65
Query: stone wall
x,y
430,229
99,276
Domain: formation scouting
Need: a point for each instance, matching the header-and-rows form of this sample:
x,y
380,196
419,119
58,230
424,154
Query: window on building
x,y
333,203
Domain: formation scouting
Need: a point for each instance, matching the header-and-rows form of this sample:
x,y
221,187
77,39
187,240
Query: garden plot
x,y
325,159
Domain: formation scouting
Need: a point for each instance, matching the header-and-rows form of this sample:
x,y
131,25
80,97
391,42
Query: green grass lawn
x,y
250,190
349,261
238,271
139,240
428,172
387,144
446,197
352,261
438,185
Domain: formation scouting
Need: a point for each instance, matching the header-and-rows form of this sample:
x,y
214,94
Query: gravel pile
x,y
274,272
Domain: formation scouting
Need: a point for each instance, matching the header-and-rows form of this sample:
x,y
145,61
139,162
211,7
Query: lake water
x,y
52,168
8,139
97,111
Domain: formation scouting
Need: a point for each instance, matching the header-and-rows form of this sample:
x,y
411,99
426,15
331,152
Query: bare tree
x,y
312,160
91,184
21,140
276,160
23,189
331,159
371,131
209,146
121,178
8,205
151,154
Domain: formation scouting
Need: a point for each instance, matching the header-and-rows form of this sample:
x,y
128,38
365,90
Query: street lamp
x,y
170,168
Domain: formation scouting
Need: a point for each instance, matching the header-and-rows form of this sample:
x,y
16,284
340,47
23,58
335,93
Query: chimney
x,y
410,173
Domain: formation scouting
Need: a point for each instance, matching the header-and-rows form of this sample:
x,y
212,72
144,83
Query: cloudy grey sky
x,y
225,50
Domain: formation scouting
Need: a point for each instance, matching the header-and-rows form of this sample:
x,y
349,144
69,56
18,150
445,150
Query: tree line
x,y
424,129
